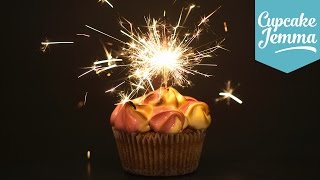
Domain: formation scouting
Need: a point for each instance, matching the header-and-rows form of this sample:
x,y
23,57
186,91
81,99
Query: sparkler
x,y
227,94
160,51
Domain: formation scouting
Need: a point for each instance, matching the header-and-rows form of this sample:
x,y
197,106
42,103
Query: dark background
x,y
273,135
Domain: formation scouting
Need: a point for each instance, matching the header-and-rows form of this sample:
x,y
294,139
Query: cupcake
x,y
160,133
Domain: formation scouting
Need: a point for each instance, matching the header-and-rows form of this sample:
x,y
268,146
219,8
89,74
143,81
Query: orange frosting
x,y
164,111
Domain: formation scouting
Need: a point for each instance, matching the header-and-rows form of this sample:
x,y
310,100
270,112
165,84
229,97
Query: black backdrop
x,y
273,135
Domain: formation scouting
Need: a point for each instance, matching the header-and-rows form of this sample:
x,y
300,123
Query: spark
x,y
99,67
104,34
105,1
85,98
114,88
88,154
124,98
100,70
205,19
227,94
93,68
86,35
45,44
157,55
106,61
188,13
225,27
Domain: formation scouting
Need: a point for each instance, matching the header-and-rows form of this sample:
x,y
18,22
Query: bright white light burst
x,y
160,54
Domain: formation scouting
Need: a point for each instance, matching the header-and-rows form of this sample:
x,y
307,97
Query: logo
x,y
287,33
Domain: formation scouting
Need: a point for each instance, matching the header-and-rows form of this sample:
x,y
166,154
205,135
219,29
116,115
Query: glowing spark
x,y
124,98
85,98
114,88
154,54
86,35
206,65
225,27
190,8
105,1
104,34
92,68
46,44
160,53
227,94
138,86
88,154
106,61
50,43
205,19
100,70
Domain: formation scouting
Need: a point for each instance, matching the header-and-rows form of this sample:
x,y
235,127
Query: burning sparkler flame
x,y
161,51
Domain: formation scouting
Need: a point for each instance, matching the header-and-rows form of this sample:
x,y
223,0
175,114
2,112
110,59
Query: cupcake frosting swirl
x,y
197,114
164,110
168,122
128,118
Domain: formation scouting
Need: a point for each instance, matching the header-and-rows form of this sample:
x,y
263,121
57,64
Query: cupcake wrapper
x,y
154,154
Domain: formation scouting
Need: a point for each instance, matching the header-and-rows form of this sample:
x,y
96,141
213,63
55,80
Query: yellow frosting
x,y
198,115
172,97
145,110
177,127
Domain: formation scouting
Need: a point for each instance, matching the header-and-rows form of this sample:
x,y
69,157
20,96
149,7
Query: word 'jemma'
x,y
271,26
